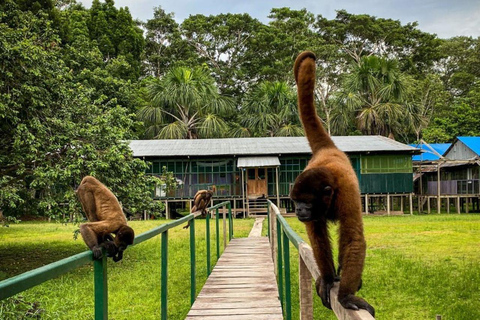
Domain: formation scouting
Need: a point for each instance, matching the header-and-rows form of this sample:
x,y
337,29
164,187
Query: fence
x,y
280,235
27,280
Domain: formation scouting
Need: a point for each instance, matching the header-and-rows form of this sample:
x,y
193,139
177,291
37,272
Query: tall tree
x,y
375,93
52,130
222,42
270,109
164,45
185,104
360,35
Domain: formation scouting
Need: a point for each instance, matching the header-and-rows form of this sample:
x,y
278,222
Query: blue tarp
x,y
428,154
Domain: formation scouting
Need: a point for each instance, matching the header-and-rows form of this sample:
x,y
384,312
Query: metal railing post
x,y
288,291
208,242
230,222
279,262
268,221
217,228
224,220
192,263
101,288
164,280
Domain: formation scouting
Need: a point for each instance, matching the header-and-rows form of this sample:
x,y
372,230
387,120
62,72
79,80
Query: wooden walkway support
x,y
241,286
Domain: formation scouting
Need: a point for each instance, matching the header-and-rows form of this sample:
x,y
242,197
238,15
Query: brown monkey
x,y
200,202
106,217
328,190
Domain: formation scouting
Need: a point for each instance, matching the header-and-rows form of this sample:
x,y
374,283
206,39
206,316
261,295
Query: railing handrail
x,y
307,265
32,278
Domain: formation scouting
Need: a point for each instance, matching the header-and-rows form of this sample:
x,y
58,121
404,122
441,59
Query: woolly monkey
x,y
106,217
328,190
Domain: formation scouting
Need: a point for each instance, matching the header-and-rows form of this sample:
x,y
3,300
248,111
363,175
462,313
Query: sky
x,y
446,18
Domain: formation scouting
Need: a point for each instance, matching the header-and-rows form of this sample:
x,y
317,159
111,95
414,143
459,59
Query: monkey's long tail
x,y
304,71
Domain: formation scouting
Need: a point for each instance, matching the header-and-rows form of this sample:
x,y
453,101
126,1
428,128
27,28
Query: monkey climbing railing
x,y
281,234
30,279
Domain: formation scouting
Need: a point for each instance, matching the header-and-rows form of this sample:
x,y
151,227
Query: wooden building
x,y
450,176
249,170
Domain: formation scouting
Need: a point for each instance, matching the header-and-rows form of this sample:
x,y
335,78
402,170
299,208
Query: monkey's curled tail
x,y
304,71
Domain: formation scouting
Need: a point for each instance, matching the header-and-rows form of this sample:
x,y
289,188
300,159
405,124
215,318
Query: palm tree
x,y
375,93
269,109
185,104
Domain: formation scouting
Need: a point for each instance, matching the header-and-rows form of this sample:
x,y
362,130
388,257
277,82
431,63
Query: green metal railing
x,y
281,234
30,279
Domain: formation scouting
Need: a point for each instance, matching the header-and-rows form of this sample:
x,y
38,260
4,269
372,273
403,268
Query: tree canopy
x,y
76,84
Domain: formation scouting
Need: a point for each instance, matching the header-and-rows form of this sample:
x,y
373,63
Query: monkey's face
x,y
313,193
123,238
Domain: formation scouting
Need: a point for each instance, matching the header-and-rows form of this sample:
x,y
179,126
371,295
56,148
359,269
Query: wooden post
x,y
388,204
428,204
420,204
458,205
448,205
401,203
167,214
410,196
467,204
305,288
366,203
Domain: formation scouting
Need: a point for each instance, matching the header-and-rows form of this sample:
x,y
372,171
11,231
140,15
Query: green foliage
x,y
56,128
270,110
185,103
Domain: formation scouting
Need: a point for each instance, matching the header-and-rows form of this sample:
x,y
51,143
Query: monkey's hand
x,y
110,248
353,302
97,252
323,291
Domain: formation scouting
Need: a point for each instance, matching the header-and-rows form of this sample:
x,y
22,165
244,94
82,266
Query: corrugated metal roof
x,y
428,154
249,162
260,146
472,142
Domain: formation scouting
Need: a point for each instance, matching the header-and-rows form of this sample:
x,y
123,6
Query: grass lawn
x,y
416,267
134,282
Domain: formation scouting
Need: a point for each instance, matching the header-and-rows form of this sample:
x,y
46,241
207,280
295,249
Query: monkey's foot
x,y
323,291
353,302
118,257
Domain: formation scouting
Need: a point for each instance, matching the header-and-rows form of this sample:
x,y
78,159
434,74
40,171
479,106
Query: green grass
x,y
134,282
416,267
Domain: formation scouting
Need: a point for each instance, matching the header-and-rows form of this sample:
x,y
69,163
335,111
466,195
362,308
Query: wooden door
x,y
257,181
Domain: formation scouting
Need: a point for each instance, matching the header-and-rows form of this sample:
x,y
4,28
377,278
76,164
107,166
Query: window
x,y
386,164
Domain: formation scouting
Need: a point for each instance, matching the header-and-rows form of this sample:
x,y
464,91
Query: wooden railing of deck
x,y
280,234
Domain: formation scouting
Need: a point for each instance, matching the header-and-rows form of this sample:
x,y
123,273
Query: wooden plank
x,y
243,311
235,304
241,286
237,317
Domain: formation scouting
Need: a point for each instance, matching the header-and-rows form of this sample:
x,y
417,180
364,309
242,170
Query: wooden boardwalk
x,y
242,285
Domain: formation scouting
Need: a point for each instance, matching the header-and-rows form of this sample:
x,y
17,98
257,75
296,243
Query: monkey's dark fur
x,y
200,202
328,190
106,217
